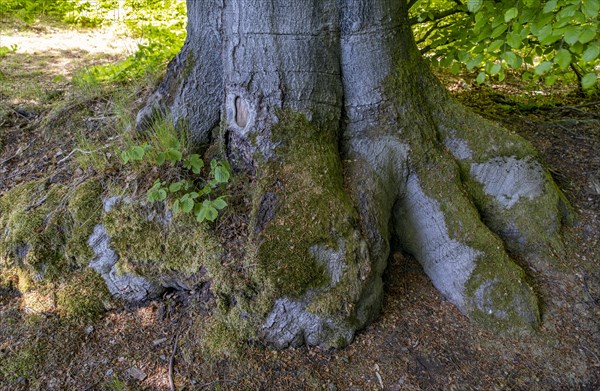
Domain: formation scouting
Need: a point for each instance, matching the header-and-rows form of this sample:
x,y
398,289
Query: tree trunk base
x,y
352,142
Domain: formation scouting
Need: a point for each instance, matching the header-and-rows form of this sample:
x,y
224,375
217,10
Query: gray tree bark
x,y
352,141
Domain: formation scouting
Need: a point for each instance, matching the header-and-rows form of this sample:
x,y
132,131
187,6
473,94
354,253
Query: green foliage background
x,y
545,40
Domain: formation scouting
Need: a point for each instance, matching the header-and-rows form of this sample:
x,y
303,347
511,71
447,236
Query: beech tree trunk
x,y
351,141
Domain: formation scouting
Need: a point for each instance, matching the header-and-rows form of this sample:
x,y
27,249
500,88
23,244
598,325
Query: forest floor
x,y
420,341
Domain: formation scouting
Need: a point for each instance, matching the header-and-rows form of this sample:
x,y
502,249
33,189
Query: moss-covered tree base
x,y
352,141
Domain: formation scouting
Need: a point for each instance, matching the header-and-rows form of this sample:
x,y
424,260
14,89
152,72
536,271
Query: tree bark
x,y
351,141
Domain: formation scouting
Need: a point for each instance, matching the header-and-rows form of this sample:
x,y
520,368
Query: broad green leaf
x,y
221,174
446,62
512,60
587,34
160,159
589,80
514,39
562,58
176,206
510,14
499,31
455,68
495,45
544,33
562,22
207,212
156,194
194,163
579,18
201,215
567,12
211,214
591,8
173,155
591,53
474,5
125,157
481,77
187,205
540,21
495,69
549,7
472,63
577,48
543,68
175,187
550,80
572,35
219,203
136,153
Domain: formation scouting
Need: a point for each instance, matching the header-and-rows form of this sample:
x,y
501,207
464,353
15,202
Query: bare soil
x,y
420,341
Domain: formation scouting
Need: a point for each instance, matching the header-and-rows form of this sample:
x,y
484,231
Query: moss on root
x,y
82,297
149,242
312,206
499,296
33,228
308,207
45,228
84,210
44,247
531,226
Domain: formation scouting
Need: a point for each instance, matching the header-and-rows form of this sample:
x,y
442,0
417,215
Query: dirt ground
x,y
420,341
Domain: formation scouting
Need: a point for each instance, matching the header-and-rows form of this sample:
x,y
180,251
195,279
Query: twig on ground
x,y
19,151
172,359
593,354
83,151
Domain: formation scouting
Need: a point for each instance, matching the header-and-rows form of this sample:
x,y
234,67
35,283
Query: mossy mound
x,y
169,250
33,229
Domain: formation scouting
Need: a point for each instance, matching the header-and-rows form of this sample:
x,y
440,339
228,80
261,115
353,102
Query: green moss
x,y
536,221
497,293
312,206
23,363
82,298
223,336
16,277
500,297
32,225
188,67
151,245
497,283
308,205
84,212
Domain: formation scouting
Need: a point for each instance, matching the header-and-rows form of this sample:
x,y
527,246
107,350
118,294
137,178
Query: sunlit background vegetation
x,y
158,24
541,41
